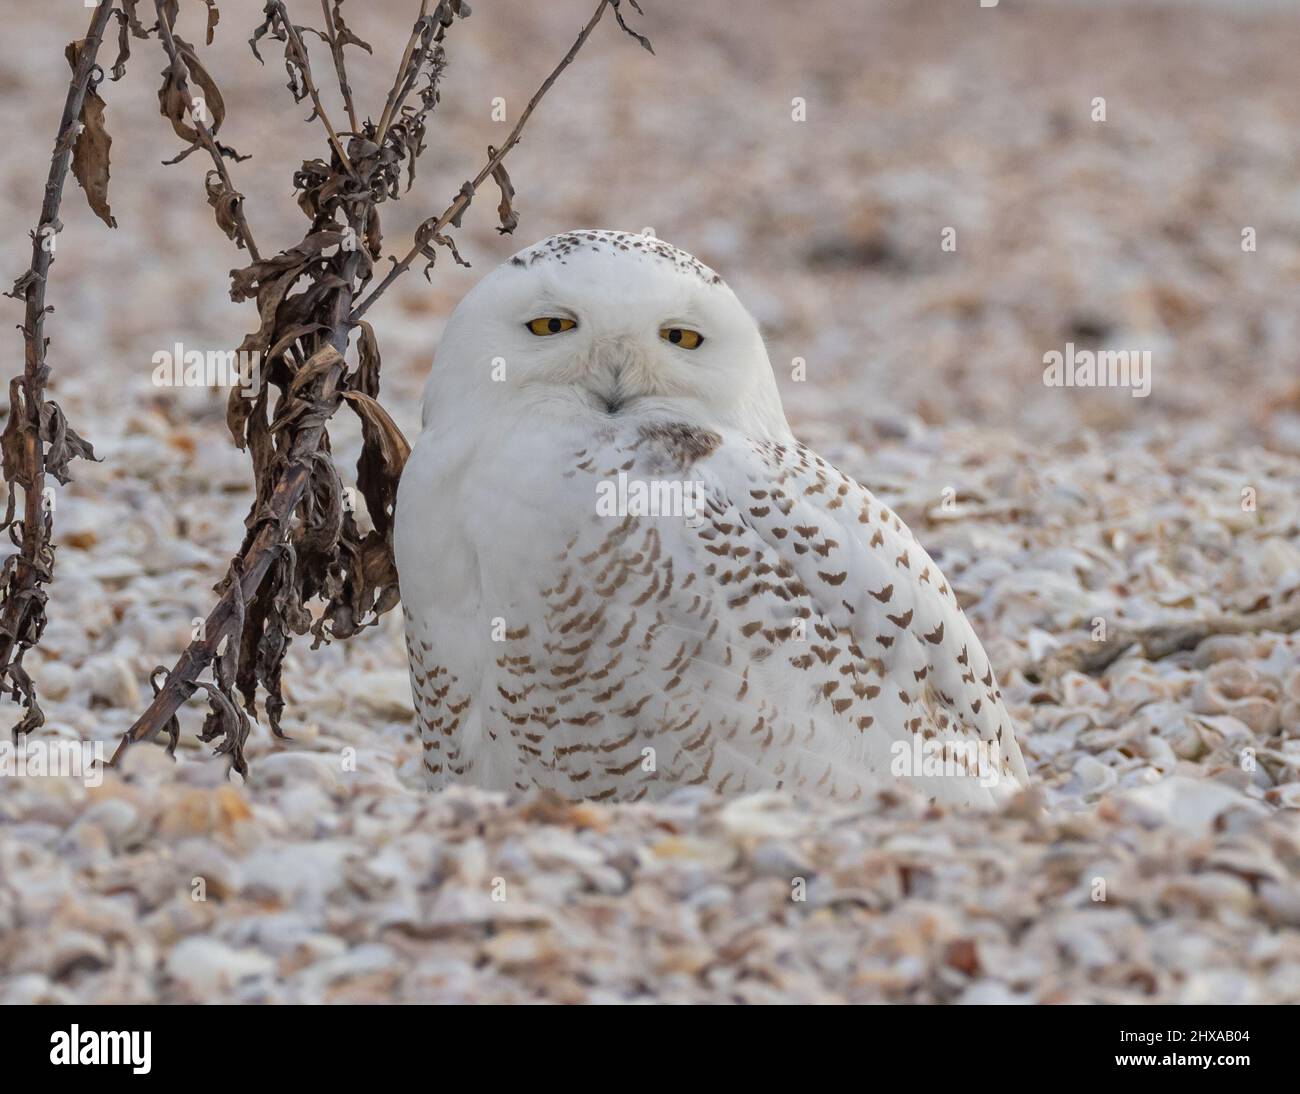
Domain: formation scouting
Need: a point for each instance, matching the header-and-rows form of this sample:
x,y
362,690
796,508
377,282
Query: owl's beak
x,y
618,372
606,382
606,401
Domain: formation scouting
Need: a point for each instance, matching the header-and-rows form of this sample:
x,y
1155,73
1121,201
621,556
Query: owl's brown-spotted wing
x,y
788,638
865,578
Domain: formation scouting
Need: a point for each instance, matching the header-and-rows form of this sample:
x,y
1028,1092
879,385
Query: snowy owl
x,y
621,573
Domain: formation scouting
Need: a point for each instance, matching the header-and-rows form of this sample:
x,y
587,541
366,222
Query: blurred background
x,y
924,365
920,115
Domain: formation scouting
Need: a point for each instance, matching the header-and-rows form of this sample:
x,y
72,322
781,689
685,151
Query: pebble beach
x,y
948,210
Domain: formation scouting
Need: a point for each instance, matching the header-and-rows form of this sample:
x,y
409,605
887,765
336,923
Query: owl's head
x,y
605,325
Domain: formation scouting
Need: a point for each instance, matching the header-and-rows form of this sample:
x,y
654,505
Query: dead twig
x,y
177,98
33,422
1154,643
406,73
338,35
301,84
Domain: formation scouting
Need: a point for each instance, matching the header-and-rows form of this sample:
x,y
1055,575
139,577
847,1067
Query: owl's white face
x,y
603,326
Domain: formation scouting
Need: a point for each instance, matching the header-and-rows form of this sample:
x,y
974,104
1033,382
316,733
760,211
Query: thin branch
x,y
209,142
1162,640
304,68
401,87
431,230
340,65
24,600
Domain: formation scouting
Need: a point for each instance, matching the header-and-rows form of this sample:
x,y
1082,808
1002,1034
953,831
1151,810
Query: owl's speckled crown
x,y
558,247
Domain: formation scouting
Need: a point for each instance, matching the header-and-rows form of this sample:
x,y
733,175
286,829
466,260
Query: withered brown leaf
x,y
129,16
368,361
90,153
374,236
383,455
618,14
12,445
27,280
226,203
248,280
176,108
64,442
23,689
214,17
344,34
505,208
124,31
316,366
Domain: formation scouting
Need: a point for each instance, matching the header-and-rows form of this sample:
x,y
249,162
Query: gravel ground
x,y
1157,859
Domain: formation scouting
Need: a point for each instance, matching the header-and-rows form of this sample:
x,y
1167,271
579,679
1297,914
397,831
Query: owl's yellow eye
x,y
550,324
680,336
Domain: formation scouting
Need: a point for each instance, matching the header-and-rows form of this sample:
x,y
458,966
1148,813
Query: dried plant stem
x,y
305,69
340,66
452,214
206,138
1162,640
248,569
400,83
23,598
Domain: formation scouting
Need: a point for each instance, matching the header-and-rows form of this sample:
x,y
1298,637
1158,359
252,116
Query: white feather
x,y
794,635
